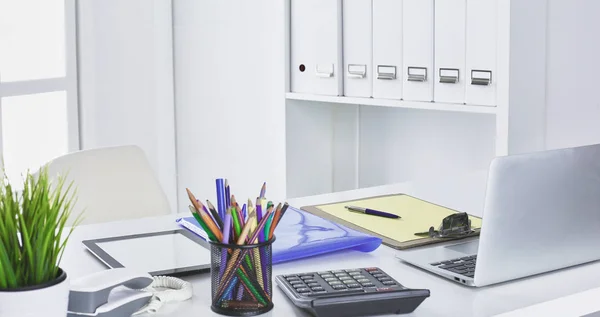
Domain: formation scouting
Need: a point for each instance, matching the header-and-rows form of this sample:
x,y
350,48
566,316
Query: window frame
x,y
68,83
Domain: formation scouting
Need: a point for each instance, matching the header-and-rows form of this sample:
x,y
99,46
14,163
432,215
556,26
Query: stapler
x,y
111,293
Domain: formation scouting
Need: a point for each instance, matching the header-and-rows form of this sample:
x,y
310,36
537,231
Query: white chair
x,y
113,183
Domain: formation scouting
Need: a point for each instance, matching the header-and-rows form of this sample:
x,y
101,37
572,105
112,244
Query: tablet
x,y
171,253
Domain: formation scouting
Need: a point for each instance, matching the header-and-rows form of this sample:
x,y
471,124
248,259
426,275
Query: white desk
x,y
464,193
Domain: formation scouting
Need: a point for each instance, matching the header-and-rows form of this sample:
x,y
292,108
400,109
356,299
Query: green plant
x,y
31,229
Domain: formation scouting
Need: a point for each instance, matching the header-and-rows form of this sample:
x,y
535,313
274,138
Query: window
x,y
38,83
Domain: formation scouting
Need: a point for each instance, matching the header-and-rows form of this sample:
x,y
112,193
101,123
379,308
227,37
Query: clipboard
x,y
417,215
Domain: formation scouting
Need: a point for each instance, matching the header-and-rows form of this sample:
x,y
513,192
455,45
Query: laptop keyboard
x,y
464,266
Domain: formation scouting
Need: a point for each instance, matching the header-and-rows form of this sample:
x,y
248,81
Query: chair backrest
x,y
113,183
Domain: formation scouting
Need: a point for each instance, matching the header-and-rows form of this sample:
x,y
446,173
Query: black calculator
x,y
353,292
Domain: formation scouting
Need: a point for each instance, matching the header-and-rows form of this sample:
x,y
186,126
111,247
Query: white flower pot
x,y
47,300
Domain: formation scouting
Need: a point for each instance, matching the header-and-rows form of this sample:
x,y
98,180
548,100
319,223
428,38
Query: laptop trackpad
x,y
469,248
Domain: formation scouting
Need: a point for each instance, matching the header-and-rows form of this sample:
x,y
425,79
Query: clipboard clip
x,y
453,226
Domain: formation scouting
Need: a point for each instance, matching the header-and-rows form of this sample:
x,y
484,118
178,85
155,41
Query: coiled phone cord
x,y
165,289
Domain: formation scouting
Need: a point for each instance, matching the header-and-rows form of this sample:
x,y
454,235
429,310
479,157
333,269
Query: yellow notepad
x,y
417,216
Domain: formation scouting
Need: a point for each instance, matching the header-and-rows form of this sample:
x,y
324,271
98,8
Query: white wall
x,y
229,79
126,88
573,69
404,144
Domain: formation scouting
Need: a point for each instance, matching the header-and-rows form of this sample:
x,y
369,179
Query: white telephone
x,y
124,292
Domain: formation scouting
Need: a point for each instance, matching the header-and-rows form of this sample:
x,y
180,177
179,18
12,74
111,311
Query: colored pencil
x,y
215,214
221,197
236,223
226,233
244,213
276,215
241,241
259,214
263,190
283,210
237,257
212,217
207,221
227,194
210,235
257,258
239,210
267,234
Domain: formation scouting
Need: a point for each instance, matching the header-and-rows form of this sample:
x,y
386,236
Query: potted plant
x,y
33,237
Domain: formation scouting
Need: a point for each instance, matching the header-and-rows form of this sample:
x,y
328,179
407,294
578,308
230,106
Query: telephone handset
x,y
123,292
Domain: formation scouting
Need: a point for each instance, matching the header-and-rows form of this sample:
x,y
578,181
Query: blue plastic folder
x,y
301,235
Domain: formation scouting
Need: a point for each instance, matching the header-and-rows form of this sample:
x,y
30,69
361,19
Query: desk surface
x,y
464,193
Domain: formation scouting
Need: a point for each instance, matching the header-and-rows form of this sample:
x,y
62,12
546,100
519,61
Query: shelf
x,y
440,106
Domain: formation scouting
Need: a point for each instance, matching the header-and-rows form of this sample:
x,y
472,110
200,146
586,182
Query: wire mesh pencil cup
x,y
241,278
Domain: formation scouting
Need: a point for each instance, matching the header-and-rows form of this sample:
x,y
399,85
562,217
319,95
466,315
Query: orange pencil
x,y
275,220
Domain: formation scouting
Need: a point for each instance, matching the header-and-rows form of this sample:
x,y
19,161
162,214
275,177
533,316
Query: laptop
x,y
541,213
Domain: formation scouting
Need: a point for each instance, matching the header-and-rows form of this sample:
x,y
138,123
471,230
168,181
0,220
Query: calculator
x,y
352,292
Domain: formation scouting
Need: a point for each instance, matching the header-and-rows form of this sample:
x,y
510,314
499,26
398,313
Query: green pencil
x,y
236,223
202,224
268,226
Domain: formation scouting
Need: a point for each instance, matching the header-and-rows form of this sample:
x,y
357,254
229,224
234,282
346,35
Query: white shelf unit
x,y
440,106
338,143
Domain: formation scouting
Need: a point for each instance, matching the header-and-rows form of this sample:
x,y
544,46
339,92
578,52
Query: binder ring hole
x,y
302,68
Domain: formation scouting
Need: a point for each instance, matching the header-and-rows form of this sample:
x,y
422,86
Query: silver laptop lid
x,y
542,213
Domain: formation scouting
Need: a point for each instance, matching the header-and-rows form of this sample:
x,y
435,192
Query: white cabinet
x,y
450,44
357,52
316,49
417,18
387,71
445,75
481,54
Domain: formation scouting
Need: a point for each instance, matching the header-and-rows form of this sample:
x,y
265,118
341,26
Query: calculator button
x,y
330,279
303,290
436,263
305,277
371,269
325,272
327,275
368,284
312,284
293,278
296,282
349,282
338,287
309,280
353,270
378,275
384,279
363,280
389,283
343,278
335,283
354,273
297,286
341,274
317,288
385,289
353,285
338,271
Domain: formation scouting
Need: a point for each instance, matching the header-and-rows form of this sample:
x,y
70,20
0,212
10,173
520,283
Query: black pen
x,y
372,212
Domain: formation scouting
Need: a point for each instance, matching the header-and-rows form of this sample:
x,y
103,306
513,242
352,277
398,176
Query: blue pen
x,y
371,212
